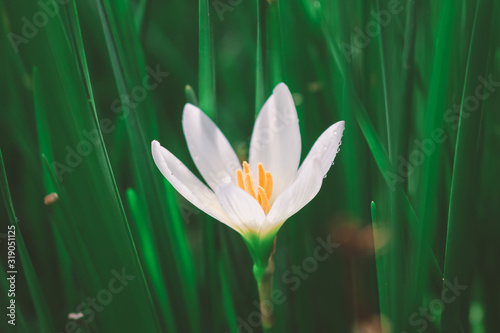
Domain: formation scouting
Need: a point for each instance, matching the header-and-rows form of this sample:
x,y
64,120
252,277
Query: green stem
x,y
264,277
263,273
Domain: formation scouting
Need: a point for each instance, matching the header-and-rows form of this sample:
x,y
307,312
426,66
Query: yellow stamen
x,y
245,181
262,175
239,179
249,186
269,185
246,168
263,200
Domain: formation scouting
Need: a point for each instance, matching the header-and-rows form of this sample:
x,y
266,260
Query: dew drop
x,y
226,180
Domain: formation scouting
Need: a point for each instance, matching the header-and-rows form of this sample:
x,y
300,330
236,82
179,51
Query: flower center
x,y
264,188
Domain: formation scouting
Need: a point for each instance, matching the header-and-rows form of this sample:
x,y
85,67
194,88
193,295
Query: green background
x,y
412,200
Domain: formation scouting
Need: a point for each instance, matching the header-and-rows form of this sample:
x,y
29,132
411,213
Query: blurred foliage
x,y
411,201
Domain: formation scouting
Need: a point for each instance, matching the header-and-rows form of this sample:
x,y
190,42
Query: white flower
x,y
257,199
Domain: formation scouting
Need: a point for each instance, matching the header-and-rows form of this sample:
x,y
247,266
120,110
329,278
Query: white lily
x,y
254,207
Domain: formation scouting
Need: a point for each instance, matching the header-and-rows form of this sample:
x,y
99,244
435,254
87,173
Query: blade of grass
x,y
459,260
152,261
206,70
191,95
81,207
436,105
129,69
260,80
381,263
26,266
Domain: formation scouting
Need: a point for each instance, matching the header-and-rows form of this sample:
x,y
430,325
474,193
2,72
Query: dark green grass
x,y
432,226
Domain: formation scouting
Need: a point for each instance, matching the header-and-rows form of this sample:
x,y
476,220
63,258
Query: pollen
x,y
264,189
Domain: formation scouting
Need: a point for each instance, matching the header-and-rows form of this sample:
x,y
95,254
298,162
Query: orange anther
x,y
249,186
239,179
246,167
269,184
245,181
262,175
264,201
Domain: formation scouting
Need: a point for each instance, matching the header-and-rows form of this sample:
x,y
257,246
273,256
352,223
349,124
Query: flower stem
x,y
264,276
265,290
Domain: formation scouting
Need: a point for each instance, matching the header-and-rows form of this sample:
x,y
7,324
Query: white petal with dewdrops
x,y
255,198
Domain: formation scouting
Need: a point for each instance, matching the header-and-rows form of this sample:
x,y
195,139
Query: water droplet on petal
x,y
226,180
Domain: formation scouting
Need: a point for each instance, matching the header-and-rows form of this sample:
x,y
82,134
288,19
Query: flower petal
x,y
276,139
187,184
296,196
325,148
240,207
212,154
